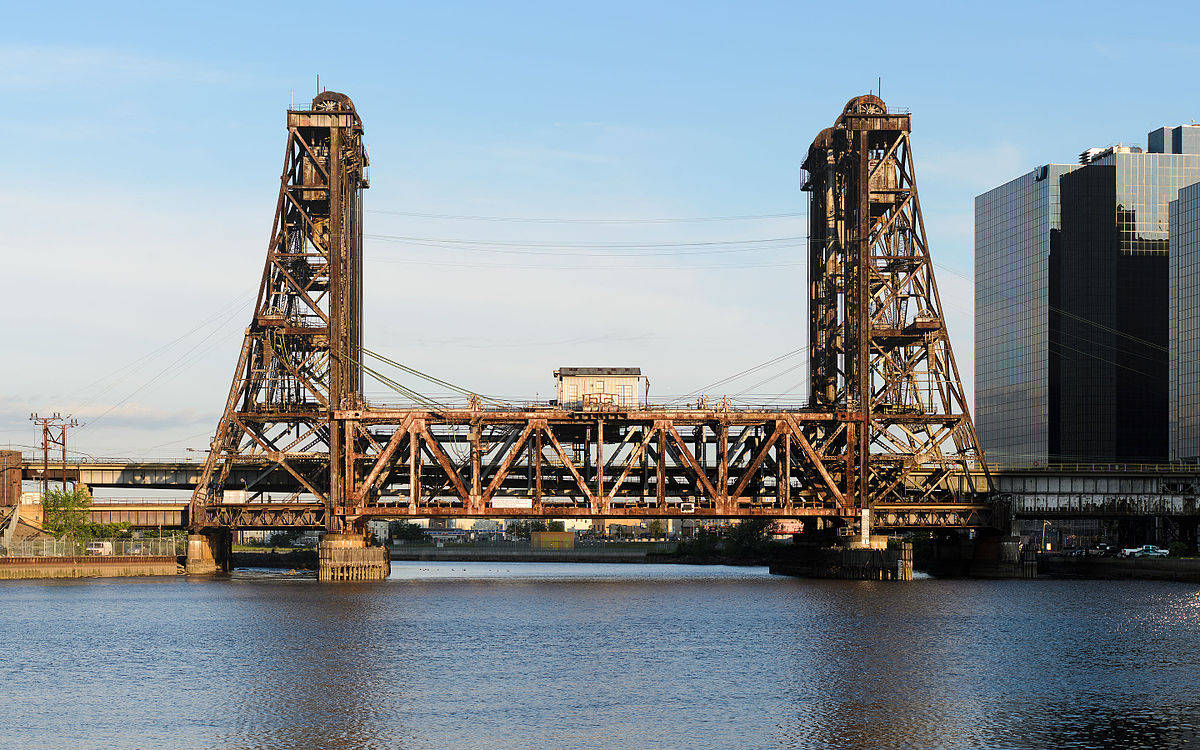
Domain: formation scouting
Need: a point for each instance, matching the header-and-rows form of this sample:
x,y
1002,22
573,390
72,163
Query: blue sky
x,y
144,143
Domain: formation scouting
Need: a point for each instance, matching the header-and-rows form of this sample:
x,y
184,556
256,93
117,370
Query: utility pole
x,y
50,424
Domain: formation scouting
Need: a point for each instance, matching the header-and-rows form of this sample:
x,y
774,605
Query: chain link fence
x,y
156,547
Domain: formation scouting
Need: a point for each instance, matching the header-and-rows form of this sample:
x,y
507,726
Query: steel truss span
x,y
887,432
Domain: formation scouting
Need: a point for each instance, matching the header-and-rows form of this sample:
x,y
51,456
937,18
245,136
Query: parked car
x,y
99,548
1146,550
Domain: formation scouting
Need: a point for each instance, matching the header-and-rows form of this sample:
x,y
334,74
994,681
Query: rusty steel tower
x,y
879,348
885,441
299,361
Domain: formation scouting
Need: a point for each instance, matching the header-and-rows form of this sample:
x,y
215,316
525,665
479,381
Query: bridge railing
x,y
689,402
1095,468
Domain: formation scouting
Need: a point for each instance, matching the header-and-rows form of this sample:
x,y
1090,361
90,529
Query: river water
x,y
481,655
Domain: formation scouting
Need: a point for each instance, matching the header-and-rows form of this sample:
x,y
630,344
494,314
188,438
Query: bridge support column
x,y
1187,534
209,552
348,557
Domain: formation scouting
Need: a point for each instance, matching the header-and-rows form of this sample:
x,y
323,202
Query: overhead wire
x,y
779,374
556,220
173,365
548,267
741,374
553,249
456,242
224,313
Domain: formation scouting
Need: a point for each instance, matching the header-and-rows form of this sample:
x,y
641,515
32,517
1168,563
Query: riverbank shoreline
x,y
88,566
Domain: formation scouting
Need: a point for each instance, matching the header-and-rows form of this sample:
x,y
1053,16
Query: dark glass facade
x,y
1014,226
1108,325
1184,317
1072,301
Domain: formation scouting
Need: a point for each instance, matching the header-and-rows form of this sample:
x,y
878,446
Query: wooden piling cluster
x,y
346,557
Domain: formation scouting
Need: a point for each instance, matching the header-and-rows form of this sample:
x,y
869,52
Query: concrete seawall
x,y
89,566
1115,568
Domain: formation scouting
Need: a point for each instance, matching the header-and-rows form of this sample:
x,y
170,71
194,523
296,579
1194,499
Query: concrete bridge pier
x,y
989,553
209,551
349,557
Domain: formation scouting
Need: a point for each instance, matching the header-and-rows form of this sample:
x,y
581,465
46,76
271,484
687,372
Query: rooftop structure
x,y
597,387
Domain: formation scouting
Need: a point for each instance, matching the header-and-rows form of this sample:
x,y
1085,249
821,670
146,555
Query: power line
x,y
586,245
224,313
176,365
554,220
547,267
512,248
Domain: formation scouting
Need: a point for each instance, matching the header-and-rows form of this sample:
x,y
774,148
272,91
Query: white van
x,y
99,548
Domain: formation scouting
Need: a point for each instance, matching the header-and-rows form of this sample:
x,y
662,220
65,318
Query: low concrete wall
x,y
87,567
1113,568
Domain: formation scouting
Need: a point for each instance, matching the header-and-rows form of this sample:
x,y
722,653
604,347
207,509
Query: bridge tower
x,y
299,362
880,351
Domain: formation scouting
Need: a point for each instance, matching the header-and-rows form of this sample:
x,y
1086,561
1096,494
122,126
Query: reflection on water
x,y
510,655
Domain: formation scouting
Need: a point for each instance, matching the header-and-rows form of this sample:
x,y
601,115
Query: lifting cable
x,y
431,378
398,387
743,373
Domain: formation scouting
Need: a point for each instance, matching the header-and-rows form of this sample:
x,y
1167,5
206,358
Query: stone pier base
x,y
209,552
346,557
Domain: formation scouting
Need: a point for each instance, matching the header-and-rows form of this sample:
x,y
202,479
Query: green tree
x,y
556,526
285,538
522,529
656,528
65,514
749,537
407,531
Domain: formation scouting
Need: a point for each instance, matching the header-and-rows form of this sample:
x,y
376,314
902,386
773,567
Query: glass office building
x,y
1184,263
1071,305
1014,226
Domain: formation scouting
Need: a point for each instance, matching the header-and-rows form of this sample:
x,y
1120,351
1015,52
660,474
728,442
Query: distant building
x,y
10,478
1072,305
1184,390
552,539
598,387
